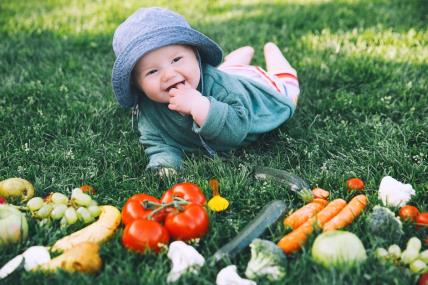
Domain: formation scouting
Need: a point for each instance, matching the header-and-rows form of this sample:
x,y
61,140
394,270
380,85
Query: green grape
x,y
58,211
63,223
70,215
418,266
44,211
76,191
59,198
84,215
94,210
35,203
381,254
424,256
82,199
414,243
394,251
45,222
409,255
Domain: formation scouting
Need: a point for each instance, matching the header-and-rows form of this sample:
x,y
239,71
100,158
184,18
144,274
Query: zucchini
x,y
294,182
268,215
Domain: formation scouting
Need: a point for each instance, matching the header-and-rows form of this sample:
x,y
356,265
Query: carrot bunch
x,y
325,215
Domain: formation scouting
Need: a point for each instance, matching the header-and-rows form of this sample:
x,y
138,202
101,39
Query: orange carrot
x,y
300,216
296,239
330,211
320,193
348,214
293,241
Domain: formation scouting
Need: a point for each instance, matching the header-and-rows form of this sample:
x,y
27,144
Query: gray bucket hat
x,y
148,29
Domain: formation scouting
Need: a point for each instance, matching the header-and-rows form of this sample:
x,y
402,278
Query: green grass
x,y
363,69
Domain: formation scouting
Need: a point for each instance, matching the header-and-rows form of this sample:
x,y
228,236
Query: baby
x,y
185,102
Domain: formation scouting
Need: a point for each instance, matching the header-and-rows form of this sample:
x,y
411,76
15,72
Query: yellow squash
x,y
97,232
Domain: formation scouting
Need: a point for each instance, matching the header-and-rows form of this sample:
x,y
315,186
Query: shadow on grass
x,y
255,21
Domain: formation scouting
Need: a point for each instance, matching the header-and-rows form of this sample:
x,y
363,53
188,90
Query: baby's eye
x,y
178,58
150,72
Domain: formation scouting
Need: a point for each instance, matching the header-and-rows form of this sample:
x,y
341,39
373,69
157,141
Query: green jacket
x,y
241,109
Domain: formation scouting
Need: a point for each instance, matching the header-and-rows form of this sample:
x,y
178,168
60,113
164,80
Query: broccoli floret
x,y
384,225
267,260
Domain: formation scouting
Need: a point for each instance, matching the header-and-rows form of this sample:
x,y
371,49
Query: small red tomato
x,y
186,190
188,224
355,184
422,219
2,200
142,235
423,280
409,213
88,189
134,209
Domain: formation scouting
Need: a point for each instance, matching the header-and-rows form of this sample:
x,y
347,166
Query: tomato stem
x,y
147,204
177,203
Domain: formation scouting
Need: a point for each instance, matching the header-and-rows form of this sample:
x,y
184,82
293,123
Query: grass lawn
x,y
363,70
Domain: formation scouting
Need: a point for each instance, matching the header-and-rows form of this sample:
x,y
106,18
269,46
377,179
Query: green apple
x,y
13,225
16,187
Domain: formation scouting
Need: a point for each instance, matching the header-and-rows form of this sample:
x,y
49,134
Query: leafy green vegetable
x,y
267,260
384,227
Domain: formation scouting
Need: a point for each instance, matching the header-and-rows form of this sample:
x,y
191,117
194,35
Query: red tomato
x,y
355,184
188,224
186,190
422,219
409,213
88,189
134,209
2,200
423,280
142,235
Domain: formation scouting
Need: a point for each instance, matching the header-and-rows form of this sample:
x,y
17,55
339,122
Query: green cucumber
x,y
294,182
268,215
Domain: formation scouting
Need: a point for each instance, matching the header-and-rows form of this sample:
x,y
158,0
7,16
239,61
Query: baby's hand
x,y
184,98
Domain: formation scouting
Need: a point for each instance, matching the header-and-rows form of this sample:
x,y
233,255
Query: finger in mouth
x,y
175,85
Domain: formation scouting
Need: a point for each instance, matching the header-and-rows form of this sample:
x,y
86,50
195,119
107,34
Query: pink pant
x,y
284,81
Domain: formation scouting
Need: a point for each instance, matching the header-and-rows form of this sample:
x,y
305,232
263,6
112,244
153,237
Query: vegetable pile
x,y
79,250
321,214
182,216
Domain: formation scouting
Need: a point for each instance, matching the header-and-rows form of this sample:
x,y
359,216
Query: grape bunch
x,y
79,207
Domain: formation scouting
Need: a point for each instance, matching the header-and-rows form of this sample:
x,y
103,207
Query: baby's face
x,y
160,70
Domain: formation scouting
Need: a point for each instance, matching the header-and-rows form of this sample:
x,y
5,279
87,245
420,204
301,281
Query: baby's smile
x,y
175,85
